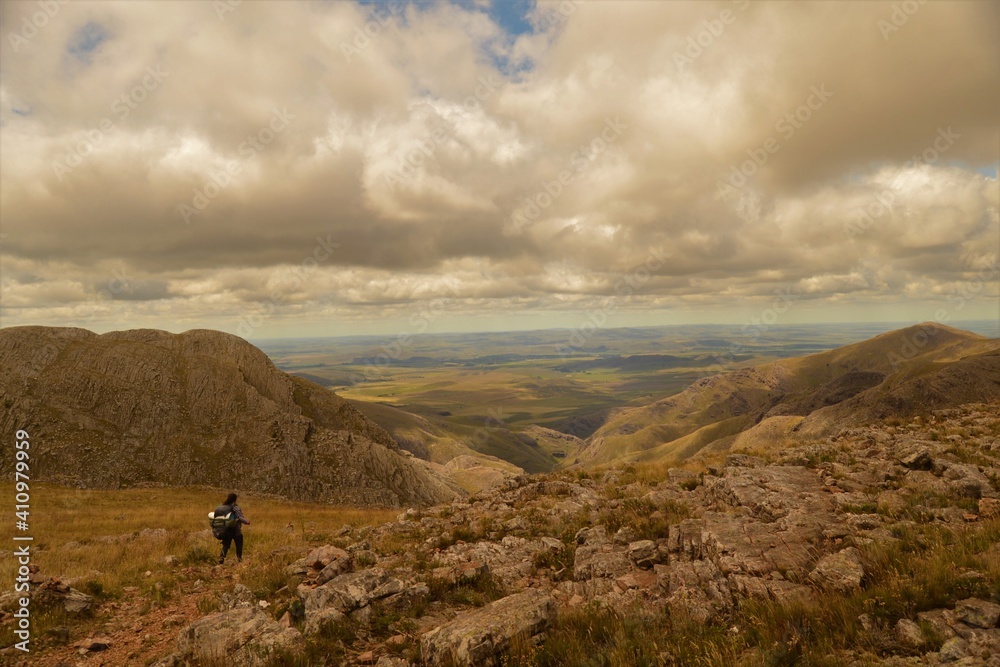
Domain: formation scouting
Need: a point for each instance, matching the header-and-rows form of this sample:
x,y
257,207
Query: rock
x,y
953,650
462,572
624,535
366,658
697,589
75,602
841,571
317,620
644,554
978,613
480,637
96,644
240,598
239,637
322,556
390,661
940,621
909,633
353,590
989,508
599,562
52,591
344,562
918,460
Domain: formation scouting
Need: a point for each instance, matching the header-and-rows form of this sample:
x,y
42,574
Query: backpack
x,y
221,520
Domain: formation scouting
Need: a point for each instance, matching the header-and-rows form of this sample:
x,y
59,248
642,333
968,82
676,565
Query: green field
x,y
484,389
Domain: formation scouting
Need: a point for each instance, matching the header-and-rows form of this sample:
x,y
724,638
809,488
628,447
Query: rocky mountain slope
x,y
203,407
896,375
877,546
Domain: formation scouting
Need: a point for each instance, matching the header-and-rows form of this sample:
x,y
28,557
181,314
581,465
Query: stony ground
x,y
487,581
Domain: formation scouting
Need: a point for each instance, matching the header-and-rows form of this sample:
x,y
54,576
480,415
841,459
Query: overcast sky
x,y
328,168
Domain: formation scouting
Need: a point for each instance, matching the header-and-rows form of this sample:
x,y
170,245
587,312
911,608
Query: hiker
x,y
233,533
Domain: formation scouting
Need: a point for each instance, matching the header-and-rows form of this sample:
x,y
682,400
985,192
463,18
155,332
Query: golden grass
x,y
96,534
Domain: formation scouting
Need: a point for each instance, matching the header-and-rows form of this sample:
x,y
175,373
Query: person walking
x,y
235,532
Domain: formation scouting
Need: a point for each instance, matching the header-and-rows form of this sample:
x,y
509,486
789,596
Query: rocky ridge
x,y
488,581
137,407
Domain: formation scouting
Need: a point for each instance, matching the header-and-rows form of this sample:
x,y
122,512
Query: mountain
x,y
138,407
894,375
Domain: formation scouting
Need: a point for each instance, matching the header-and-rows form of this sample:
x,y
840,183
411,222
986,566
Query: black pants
x,y
229,538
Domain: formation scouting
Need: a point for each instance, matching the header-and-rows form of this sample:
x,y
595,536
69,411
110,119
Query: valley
x,y
492,391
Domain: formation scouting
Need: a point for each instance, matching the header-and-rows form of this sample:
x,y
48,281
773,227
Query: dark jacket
x,y
238,528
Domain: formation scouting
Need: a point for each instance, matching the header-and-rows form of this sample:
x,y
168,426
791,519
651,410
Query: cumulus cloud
x,y
336,162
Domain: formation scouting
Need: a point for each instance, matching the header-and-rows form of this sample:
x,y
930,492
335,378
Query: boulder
x,y
840,572
599,562
978,613
644,554
697,590
480,638
240,637
909,633
918,460
353,590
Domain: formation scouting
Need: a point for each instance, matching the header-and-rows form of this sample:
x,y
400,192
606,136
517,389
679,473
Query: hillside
x,y
878,546
141,407
443,443
439,438
897,374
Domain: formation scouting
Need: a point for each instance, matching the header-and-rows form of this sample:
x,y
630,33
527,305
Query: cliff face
x,y
202,407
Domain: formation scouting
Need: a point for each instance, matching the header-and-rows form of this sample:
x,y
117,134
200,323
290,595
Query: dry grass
x,y
78,532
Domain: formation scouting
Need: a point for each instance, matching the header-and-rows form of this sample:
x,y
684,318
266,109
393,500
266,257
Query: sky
x,y
282,169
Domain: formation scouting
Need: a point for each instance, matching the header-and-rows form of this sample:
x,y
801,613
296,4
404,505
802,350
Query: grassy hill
x,y
894,374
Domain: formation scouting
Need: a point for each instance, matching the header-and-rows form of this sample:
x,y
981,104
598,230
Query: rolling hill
x,y
896,374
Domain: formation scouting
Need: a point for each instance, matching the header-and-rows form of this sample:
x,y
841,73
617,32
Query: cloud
x,y
792,145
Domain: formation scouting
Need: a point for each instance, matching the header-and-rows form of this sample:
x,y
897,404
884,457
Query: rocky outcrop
x,y
242,637
479,638
203,407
